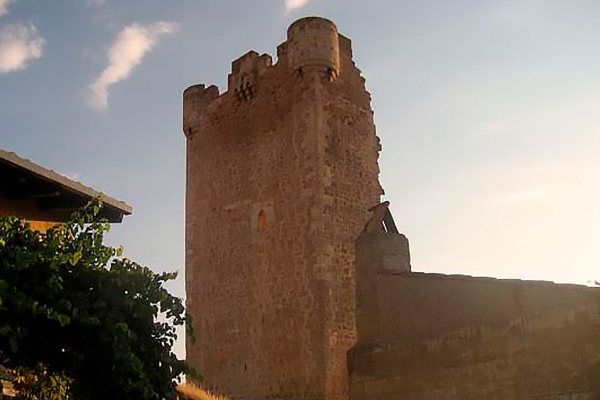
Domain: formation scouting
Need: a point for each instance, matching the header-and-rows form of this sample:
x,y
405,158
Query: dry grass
x,y
194,392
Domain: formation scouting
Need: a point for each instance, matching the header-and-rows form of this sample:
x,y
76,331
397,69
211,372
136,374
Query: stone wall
x,y
432,336
281,170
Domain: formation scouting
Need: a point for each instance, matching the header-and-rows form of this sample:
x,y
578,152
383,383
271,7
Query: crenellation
x,y
345,45
282,53
195,99
245,71
264,62
244,63
313,48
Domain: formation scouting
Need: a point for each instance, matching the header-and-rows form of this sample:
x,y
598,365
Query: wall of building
x,y
549,355
431,336
281,170
29,210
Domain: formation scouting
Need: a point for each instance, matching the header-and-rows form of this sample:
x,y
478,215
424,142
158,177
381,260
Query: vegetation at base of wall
x,y
76,306
39,384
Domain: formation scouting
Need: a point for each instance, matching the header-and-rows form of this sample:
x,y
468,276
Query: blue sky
x,y
488,112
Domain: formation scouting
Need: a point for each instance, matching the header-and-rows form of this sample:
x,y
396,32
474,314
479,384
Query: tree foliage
x,y
39,384
75,305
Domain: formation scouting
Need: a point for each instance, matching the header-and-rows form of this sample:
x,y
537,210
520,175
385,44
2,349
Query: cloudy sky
x,y
488,111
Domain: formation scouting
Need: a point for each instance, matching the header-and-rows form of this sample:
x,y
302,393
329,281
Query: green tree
x,y
75,305
39,384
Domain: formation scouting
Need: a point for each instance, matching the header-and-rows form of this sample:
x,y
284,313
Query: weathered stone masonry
x,y
281,170
291,301
432,336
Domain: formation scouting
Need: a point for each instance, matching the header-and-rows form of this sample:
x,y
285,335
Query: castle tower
x,y
281,171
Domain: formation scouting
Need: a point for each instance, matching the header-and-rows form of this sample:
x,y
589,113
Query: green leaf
x,y
75,258
64,320
64,305
116,321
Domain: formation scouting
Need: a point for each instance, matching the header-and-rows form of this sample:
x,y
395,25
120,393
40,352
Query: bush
x,y
79,308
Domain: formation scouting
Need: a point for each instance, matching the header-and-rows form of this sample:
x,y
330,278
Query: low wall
x,y
419,305
431,336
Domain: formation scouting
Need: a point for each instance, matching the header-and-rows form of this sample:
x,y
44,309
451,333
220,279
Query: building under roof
x,y
37,194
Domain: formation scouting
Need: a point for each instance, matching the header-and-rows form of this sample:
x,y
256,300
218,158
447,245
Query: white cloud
x,y
132,44
293,4
19,44
4,6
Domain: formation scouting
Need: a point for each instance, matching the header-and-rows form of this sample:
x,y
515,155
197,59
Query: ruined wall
x,y
281,169
431,336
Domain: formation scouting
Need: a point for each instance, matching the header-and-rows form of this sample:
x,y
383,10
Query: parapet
x,y
244,73
380,247
383,252
313,46
195,99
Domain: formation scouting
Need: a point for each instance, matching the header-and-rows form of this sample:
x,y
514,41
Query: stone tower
x,y
281,171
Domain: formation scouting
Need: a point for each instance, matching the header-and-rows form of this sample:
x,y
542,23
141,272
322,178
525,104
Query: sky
x,y
488,113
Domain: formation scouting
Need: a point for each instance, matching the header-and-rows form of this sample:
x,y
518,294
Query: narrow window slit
x,y
262,219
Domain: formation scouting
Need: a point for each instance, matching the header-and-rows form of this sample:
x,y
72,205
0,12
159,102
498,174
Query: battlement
x,y
313,45
245,72
195,99
313,48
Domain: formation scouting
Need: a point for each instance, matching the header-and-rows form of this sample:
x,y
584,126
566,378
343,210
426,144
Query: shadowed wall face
x,y
38,219
432,336
281,170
